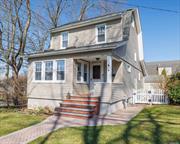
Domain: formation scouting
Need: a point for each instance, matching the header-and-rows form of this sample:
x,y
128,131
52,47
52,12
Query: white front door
x,y
97,71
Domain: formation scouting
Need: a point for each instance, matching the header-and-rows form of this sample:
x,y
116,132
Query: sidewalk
x,y
55,122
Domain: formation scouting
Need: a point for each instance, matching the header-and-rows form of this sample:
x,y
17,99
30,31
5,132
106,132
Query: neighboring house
x,y
98,58
154,70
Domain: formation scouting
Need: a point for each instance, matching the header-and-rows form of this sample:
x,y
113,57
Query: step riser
x,y
73,116
76,111
79,102
84,98
78,106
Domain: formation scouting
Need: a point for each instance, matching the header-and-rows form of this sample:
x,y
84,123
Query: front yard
x,y
14,119
154,125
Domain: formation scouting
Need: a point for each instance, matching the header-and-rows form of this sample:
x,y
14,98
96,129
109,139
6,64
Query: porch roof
x,y
75,50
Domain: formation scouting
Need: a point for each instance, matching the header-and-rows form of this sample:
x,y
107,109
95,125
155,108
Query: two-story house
x,y
92,65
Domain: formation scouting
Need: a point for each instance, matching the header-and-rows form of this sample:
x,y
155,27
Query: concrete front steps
x,y
82,107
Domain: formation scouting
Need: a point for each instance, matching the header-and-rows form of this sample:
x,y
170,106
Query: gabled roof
x,y
90,21
152,67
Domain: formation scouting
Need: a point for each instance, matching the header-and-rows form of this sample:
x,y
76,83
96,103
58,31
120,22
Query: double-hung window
x,y
82,72
49,70
60,70
64,41
38,70
85,72
79,72
101,33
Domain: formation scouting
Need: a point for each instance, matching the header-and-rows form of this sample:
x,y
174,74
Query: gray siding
x,y
87,35
50,90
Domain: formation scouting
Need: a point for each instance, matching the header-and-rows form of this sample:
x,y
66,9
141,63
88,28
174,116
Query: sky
x,y
161,30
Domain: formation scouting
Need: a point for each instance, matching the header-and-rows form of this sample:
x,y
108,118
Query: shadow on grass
x,y
129,133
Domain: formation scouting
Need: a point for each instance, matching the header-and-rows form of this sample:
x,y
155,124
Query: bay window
x,y
49,71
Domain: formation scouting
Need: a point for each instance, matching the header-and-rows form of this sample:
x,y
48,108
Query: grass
x,y
14,119
154,125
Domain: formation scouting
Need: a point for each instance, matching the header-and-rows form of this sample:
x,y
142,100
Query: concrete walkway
x,y
55,122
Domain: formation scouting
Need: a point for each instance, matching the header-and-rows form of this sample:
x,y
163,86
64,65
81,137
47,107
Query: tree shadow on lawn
x,y
130,133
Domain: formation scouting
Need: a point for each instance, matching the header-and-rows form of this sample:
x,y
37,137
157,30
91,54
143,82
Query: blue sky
x,y
161,30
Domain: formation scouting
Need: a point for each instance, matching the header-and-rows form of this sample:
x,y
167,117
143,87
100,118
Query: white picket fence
x,y
153,96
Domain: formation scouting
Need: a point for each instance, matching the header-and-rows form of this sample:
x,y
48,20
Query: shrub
x,y
174,88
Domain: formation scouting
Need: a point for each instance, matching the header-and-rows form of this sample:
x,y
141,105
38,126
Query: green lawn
x,y
14,119
154,125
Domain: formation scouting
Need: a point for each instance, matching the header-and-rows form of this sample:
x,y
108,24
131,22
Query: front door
x,y
96,72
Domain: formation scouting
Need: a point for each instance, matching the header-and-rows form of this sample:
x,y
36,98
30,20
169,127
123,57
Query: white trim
x,y
54,80
109,69
82,72
135,56
102,71
104,33
62,39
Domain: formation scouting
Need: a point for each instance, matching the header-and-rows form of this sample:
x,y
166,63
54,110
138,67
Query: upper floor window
x,y
60,70
64,40
49,70
38,70
101,33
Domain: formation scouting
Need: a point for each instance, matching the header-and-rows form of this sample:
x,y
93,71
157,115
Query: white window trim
x,y
135,56
82,72
54,80
139,76
62,39
34,71
97,33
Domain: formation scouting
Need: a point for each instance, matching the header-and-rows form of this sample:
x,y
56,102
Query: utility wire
x,y
146,7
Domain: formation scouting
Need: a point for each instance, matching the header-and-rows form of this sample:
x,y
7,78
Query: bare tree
x,y
13,48
85,6
54,10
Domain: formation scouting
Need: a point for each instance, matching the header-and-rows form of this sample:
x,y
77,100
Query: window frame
x,y
54,80
36,71
51,61
82,72
66,32
105,33
60,71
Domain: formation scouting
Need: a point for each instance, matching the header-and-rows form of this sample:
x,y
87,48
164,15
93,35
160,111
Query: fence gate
x,y
154,96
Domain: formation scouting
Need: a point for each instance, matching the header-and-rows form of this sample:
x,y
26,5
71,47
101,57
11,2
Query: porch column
x,y
109,69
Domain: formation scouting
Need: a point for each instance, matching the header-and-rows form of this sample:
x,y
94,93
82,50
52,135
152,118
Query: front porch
x,y
96,74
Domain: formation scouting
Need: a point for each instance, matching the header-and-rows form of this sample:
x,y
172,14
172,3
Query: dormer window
x,y
64,40
101,33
